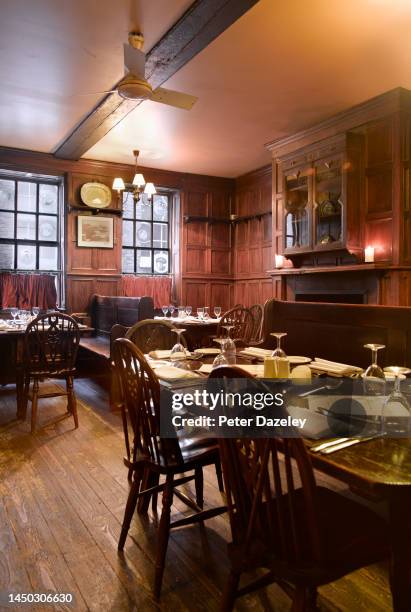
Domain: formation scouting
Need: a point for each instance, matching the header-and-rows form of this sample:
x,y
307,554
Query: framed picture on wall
x,y
95,232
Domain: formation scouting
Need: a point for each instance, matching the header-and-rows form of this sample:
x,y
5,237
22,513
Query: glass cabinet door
x,y
297,209
328,217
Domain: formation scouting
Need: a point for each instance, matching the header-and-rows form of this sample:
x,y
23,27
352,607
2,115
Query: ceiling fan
x,y
134,86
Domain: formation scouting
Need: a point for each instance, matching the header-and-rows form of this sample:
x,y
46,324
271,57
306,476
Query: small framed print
x,y
95,232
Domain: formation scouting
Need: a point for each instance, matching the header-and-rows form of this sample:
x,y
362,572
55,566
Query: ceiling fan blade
x,y
93,93
134,60
174,98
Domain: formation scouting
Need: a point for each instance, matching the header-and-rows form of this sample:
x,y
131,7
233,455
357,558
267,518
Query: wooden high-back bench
x,y
339,331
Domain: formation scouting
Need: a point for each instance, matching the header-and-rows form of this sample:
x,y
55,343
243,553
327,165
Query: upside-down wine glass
x,y
278,352
14,312
221,358
229,346
374,377
188,310
178,352
395,416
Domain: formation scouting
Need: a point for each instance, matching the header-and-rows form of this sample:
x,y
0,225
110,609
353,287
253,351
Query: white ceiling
x,y
281,67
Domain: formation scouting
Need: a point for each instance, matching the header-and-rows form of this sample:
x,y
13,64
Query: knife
x,y
348,443
318,448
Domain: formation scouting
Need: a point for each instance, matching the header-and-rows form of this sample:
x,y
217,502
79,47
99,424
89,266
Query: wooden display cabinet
x,y
322,196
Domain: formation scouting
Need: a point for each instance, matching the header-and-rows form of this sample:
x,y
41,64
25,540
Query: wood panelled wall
x,y
253,250
203,274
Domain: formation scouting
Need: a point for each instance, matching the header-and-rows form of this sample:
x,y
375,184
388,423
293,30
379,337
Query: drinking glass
x,y
171,310
14,312
165,310
229,346
36,311
221,358
374,377
178,352
188,310
395,417
278,352
217,311
200,313
206,313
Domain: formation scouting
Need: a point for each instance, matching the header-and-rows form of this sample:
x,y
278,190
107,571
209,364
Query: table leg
x,y
400,533
21,404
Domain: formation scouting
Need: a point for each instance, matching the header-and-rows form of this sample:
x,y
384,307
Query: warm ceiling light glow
x,y
138,180
118,184
150,190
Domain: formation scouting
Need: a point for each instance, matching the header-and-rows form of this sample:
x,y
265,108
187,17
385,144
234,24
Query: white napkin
x,y
165,354
173,373
254,351
333,367
255,370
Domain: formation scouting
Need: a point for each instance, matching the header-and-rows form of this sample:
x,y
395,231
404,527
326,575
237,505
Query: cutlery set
x,y
331,446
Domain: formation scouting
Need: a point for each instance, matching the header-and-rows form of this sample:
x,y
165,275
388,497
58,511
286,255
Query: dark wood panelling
x,y
201,246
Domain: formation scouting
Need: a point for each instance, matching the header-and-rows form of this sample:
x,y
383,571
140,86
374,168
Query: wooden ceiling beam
x,y
193,32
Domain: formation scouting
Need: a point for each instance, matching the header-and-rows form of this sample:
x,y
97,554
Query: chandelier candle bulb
x,y
369,254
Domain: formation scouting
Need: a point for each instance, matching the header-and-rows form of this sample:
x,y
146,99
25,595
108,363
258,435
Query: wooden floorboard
x,y
62,497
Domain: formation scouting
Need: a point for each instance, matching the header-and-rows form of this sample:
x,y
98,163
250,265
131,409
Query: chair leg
x,y
230,592
219,475
154,496
26,393
199,485
130,509
34,402
71,400
304,599
150,479
163,534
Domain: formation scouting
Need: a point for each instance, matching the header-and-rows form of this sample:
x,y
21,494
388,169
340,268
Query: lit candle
x,y
279,261
369,254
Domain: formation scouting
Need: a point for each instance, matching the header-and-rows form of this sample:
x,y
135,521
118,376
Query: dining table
x,y
12,360
379,470
198,332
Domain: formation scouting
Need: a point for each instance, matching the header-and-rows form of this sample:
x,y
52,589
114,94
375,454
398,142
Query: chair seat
x,y
353,536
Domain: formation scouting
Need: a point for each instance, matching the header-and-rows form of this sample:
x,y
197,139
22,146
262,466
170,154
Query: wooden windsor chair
x,y
50,350
242,321
150,335
153,455
305,535
258,313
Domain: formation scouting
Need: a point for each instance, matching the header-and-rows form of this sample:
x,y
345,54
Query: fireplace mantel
x,y
335,269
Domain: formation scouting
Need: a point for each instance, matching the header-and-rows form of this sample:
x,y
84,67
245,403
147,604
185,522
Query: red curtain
x,y
27,290
157,287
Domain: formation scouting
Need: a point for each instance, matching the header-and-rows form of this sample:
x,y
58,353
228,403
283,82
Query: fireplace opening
x,y
335,297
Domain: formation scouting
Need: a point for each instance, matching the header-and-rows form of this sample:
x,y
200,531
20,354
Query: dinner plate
x,y
96,195
207,351
298,359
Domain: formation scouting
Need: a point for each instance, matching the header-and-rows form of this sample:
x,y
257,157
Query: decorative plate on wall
x,y
96,195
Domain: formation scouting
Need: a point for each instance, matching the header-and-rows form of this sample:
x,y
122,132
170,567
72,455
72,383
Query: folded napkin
x,y
255,370
165,354
254,351
333,367
173,373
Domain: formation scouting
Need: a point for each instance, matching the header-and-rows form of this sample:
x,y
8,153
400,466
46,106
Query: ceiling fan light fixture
x,y
134,88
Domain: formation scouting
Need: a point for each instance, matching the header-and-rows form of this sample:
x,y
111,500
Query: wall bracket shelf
x,y
95,211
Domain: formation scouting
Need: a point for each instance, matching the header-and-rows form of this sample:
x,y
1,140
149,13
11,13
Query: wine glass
x,y
14,312
217,311
229,345
395,416
374,377
221,358
188,310
278,352
171,310
178,352
36,311
200,313
165,310
206,313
